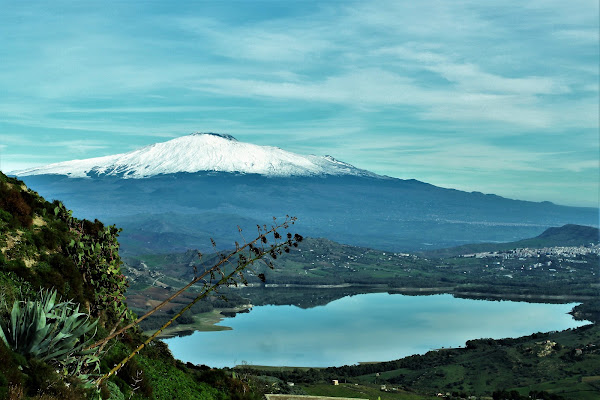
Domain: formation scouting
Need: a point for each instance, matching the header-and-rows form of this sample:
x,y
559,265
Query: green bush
x,y
169,382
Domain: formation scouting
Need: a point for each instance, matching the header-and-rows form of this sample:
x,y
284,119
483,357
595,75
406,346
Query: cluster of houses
x,y
558,251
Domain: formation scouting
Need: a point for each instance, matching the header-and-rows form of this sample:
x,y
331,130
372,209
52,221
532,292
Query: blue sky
x,y
497,97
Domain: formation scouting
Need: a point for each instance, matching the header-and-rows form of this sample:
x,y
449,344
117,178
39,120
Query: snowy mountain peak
x,y
221,135
199,152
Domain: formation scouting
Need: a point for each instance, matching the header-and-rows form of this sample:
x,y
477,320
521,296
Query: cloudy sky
x,y
497,96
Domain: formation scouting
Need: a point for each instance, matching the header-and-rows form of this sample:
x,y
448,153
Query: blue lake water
x,y
367,327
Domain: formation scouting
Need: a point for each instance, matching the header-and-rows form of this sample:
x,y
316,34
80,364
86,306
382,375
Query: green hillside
x,y
44,248
569,235
562,364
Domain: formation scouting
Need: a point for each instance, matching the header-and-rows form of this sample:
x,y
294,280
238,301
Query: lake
x,y
366,327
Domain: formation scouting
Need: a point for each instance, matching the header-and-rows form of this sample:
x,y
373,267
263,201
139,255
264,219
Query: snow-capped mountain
x,y
197,187
200,152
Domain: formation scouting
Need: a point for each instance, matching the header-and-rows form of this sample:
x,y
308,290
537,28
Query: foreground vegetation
x,y
61,288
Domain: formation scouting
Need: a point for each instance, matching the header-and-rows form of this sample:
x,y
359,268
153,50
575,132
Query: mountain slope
x,y
174,212
175,195
200,152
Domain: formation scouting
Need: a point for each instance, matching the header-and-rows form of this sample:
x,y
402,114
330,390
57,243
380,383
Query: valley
x,y
320,271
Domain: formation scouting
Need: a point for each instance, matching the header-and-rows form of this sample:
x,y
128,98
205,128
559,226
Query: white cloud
x,y
579,166
81,146
471,78
375,88
277,41
584,35
591,87
148,109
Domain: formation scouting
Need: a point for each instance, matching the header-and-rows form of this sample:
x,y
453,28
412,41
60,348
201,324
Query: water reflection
x,y
367,327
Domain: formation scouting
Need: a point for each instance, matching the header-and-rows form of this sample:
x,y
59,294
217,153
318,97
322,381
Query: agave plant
x,y
48,330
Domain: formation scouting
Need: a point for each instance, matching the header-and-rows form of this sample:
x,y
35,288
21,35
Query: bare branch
x,y
234,277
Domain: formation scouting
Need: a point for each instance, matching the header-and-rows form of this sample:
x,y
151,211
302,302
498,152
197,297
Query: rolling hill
x,y
566,235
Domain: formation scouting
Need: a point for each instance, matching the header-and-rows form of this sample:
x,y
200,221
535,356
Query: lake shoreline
x,y
400,326
207,322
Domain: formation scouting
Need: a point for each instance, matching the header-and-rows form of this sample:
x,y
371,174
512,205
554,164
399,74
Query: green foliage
x,y
170,382
154,374
77,257
5,216
114,391
94,249
50,331
32,378
12,288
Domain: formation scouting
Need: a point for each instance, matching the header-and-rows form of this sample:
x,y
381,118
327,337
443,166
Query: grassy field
x,y
572,388
371,392
267,368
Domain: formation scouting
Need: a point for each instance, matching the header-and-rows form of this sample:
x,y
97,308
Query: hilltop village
x,y
557,251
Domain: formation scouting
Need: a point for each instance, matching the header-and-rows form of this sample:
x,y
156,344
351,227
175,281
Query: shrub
x,y
49,331
12,201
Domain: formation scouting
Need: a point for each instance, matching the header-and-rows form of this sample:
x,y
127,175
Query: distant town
x,y
558,251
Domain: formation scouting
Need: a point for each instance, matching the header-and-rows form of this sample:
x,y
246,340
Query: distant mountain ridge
x,y
566,235
569,235
199,152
